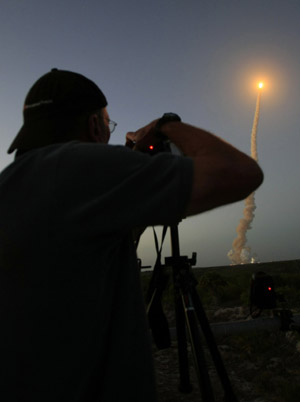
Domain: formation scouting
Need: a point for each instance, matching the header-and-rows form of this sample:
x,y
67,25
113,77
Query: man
x,y
72,314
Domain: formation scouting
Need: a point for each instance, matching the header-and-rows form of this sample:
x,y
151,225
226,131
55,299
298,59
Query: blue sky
x,y
200,59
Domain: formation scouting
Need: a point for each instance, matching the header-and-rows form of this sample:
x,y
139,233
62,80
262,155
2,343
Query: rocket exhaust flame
x,y
240,253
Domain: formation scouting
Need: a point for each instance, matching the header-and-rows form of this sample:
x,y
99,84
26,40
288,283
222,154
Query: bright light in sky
x,y
260,85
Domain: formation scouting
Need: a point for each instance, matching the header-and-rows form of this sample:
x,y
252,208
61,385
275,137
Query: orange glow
x,y
260,85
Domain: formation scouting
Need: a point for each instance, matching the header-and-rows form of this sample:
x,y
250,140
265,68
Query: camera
x,y
164,145
262,292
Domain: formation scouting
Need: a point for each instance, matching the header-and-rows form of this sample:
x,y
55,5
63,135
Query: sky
x,y
200,59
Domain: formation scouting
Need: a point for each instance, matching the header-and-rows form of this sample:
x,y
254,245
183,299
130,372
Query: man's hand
x,y
141,139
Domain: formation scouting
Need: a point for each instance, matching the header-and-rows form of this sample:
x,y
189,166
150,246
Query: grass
x,y
230,286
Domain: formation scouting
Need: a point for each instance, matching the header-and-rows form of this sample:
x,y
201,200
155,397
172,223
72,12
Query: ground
x,y
262,367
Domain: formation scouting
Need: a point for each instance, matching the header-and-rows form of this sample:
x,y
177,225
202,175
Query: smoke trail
x,y
254,129
240,253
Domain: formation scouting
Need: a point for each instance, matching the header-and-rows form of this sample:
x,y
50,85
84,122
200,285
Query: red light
x,y
269,288
151,147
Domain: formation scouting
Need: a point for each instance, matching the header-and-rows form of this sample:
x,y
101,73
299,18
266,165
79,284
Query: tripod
x,y
188,310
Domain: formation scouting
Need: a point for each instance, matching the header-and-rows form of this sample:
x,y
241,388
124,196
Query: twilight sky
x,y
200,59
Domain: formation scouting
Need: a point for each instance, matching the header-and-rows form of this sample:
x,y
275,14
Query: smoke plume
x,y
240,252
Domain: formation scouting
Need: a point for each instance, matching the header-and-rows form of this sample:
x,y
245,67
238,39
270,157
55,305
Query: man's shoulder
x,y
71,150
81,157
77,149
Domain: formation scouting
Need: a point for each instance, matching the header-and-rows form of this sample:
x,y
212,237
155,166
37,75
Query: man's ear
x,y
94,128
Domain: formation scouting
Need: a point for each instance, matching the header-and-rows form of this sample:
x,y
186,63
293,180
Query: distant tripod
x,y
188,309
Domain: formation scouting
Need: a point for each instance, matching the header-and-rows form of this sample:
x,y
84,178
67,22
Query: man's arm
x,y
222,174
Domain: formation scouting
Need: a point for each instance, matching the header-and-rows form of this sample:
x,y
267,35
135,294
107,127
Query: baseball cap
x,y
56,96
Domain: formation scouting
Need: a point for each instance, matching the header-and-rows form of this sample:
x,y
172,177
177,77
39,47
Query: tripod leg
x,y
198,352
185,385
229,395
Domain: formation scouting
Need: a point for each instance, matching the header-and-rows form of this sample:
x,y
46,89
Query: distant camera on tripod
x,y
262,292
